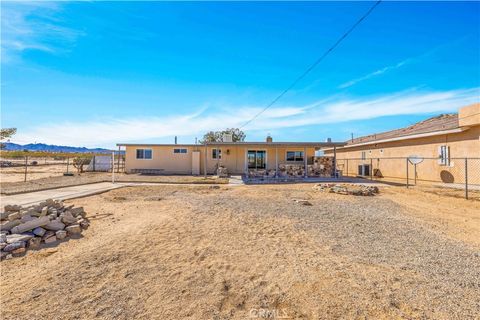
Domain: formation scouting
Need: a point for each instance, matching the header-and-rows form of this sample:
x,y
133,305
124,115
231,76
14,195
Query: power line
x,y
294,83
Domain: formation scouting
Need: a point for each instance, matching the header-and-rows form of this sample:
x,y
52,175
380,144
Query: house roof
x,y
243,143
442,123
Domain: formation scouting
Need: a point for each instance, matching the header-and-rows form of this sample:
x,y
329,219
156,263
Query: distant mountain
x,y
50,148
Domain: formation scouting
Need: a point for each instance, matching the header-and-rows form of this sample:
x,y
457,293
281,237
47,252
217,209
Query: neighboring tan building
x,y
236,157
442,141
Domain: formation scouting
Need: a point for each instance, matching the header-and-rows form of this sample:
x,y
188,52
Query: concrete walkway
x,y
31,198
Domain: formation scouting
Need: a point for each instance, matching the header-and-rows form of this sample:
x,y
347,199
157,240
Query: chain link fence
x,y
455,176
31,168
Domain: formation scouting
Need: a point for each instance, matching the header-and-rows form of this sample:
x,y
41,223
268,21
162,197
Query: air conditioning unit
x,y
227,137
364,170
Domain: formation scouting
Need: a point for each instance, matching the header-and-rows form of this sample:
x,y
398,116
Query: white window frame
x,y
180,150
363,155
444,155
143,149
218,154
295,158
256,150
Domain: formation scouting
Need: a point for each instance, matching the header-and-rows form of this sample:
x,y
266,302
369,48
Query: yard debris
x,y
302,202
222,172
24,228
347,189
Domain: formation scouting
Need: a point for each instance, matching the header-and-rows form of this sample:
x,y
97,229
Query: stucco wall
x,y
233,158
163,158
463,144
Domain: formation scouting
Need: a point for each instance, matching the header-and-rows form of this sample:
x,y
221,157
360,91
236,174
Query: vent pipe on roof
x,y
175,139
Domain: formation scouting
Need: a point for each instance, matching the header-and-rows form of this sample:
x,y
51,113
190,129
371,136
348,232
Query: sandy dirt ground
x,y
11,180
179,252
17,174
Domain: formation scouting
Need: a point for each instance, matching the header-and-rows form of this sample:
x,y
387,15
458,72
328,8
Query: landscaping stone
x,y
61,234
50,239
34,242
44,211
347,189
14,246
23,228
39,231
84,224
18,237
74,229
19,251
12,208
77,211
14,216
27,218
8,225
68,218
54,225
30,225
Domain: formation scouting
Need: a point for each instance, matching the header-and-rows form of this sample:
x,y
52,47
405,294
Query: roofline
x,y
407,137
243,143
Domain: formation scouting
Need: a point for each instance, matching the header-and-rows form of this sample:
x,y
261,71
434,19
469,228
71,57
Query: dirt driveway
x,y
178,252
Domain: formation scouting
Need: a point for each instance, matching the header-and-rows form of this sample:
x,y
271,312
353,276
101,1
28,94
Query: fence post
x,y
118,161
415,174
466,178
406,162
371,169
93,159
26,166
113,164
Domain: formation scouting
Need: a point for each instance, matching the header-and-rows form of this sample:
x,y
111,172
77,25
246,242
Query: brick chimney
x,y
269,139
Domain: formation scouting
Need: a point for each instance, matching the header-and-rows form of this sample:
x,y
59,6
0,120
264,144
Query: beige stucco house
x,y
442,141
236,157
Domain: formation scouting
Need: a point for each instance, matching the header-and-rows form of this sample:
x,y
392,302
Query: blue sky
x,y
98,73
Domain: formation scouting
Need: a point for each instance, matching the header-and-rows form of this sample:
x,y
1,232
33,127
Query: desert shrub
x,y
80,162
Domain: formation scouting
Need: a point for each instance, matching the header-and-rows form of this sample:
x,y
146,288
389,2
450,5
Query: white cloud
x,y
374,74
33,26
107,133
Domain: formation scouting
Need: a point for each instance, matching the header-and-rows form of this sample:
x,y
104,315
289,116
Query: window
x,y
216,153
444,155
144,153
182,150
294,155
364,155
257,159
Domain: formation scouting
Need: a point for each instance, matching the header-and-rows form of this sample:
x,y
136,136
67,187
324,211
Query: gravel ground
x,y
375,231
178,252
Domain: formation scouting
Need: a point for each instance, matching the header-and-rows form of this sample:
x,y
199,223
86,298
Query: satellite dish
x,y
413,159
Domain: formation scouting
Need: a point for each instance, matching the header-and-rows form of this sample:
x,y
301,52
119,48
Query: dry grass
x,y
179,252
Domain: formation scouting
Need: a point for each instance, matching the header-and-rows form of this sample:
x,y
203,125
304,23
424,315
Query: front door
x,y
257,159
